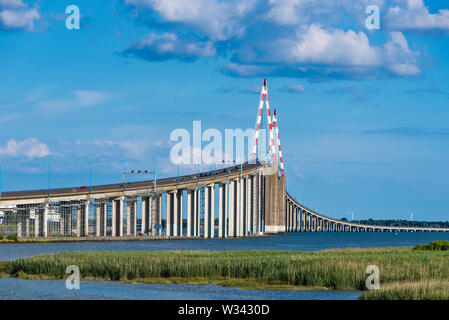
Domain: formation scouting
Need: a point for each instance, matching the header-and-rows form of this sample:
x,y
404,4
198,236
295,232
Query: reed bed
x,y
420,290
333,269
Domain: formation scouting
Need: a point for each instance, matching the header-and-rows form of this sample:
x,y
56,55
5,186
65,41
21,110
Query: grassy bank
x,y
332,269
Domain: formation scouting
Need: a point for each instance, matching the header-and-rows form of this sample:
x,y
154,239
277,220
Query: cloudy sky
x,y
363,114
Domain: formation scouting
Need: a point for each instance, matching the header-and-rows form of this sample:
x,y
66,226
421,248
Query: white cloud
x,y
217,19
16,15
30,148
319,50
87,98
401,60
295,88
12,4
291,38
170,46
81,99
414,15
300,12
315,44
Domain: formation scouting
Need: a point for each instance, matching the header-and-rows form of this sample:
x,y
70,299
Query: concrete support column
x,y
232,207
156,207
249,202
62,220
104,214
36,222
174,214
209,214
78,221
86,218
260,181
19,229
190,211
292,217
222,209
120,217
196,213
117,217
45,221
295,218
241,207
131,217
255,203
27,224
298,219
212,211
98,220
128,217
169,213
179,212
145,215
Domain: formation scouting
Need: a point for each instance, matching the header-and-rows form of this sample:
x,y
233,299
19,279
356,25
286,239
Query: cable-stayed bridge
x,y
242,200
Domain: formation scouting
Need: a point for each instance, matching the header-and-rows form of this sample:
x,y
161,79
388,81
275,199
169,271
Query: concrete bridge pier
x,y
104,219
131,217
209,211
82,219
303,220
240,206
232,208
248,208
98,220
27,224
156,214
222,210
145,215
64,219
180,212
78,221
190,211
117,217
169,212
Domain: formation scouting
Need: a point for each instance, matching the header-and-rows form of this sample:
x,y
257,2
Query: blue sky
x,y
362,113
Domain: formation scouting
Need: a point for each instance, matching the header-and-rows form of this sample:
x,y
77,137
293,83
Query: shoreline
x,y
125,238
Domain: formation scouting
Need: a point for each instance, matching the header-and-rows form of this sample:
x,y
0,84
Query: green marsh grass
x,y
419,290
332,269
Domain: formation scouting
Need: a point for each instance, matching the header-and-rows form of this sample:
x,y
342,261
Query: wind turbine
x,y
352,214
412,215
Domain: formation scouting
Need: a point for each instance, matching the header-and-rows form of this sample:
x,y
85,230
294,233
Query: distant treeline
x,y
402,223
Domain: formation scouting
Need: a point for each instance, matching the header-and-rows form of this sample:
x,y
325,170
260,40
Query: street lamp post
x,y
142,172
49,180
90,175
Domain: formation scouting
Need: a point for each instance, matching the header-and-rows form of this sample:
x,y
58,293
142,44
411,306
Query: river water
x,y
11,288
292,241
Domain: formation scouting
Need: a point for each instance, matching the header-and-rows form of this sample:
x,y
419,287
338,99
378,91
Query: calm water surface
x,y
11,288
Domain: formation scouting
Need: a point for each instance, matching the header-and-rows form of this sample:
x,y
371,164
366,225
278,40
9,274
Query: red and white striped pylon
x,y
264,97
275,124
